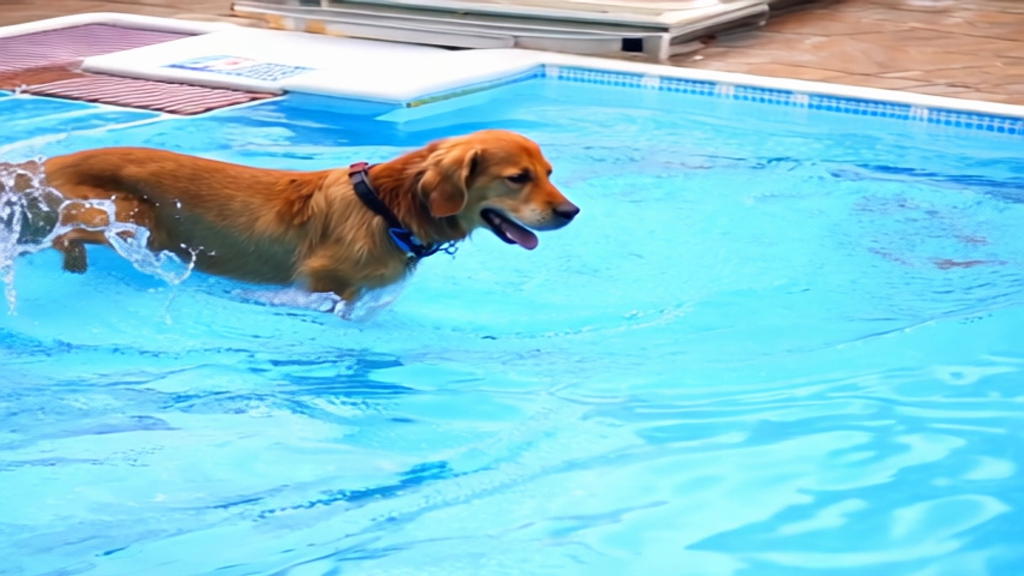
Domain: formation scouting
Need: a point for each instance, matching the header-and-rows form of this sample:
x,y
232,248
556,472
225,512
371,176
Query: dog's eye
x,y
520,178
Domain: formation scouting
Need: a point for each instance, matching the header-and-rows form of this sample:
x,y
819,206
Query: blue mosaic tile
x,y
685,86
241,67
625,80
861,107
837,104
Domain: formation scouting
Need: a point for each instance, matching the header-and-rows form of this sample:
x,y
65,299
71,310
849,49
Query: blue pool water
x,y
775,342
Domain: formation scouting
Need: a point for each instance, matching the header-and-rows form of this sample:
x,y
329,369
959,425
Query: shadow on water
x,y
53,389
418,475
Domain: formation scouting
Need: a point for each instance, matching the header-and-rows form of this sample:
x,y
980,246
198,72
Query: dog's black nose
x,y
566,210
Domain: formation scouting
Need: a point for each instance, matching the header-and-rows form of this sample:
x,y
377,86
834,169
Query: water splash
x,y
28,215
133,247
30,221
366,308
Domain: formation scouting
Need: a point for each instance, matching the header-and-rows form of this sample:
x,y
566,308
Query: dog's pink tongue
x,y
521,235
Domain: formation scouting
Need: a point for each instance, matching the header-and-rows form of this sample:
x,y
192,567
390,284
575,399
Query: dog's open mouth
x,y
508,230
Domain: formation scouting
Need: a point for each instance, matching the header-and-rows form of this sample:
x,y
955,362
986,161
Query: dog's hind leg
x,y
76,260
72,246
72,243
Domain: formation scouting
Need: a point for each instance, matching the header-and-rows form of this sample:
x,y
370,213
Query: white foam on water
x,y
366,308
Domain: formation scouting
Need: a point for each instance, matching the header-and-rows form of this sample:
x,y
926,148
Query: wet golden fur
x,y
282,227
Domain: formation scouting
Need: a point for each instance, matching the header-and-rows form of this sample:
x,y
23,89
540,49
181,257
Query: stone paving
x,y
966,49
963,48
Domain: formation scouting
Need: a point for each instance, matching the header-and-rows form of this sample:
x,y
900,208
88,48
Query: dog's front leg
x,y
347,291
328,287
322,273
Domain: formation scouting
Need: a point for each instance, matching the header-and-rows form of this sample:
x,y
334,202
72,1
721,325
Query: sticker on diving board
x,y
238,66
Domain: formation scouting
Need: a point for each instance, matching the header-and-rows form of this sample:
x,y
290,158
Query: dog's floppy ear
x,y
445,181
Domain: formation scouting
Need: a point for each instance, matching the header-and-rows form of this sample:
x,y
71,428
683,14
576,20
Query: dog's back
x,y
231,219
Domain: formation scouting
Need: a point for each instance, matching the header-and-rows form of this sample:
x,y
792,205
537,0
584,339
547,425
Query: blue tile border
x,y
838,104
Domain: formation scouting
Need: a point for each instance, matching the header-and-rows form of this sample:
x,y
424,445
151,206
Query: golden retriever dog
x,y
344,231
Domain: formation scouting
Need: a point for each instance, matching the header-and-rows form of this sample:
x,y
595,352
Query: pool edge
x,y
523,60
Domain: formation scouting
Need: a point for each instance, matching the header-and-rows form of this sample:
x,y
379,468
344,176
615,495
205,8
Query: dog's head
x,y
497,179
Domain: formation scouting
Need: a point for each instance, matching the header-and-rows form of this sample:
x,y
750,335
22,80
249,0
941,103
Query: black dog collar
x,y
402,237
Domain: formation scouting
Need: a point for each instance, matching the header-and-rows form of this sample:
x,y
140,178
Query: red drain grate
x,y
47,63
68,45
160,96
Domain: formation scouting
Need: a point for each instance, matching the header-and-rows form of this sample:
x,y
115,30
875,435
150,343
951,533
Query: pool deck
x,y
970,49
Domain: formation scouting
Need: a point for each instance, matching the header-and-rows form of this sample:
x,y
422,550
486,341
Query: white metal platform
x,y
659,29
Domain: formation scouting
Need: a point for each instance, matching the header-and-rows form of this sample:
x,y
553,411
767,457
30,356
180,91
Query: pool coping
x,y
517,63
156,23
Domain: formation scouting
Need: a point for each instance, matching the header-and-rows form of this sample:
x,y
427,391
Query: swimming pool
x,y
778,340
